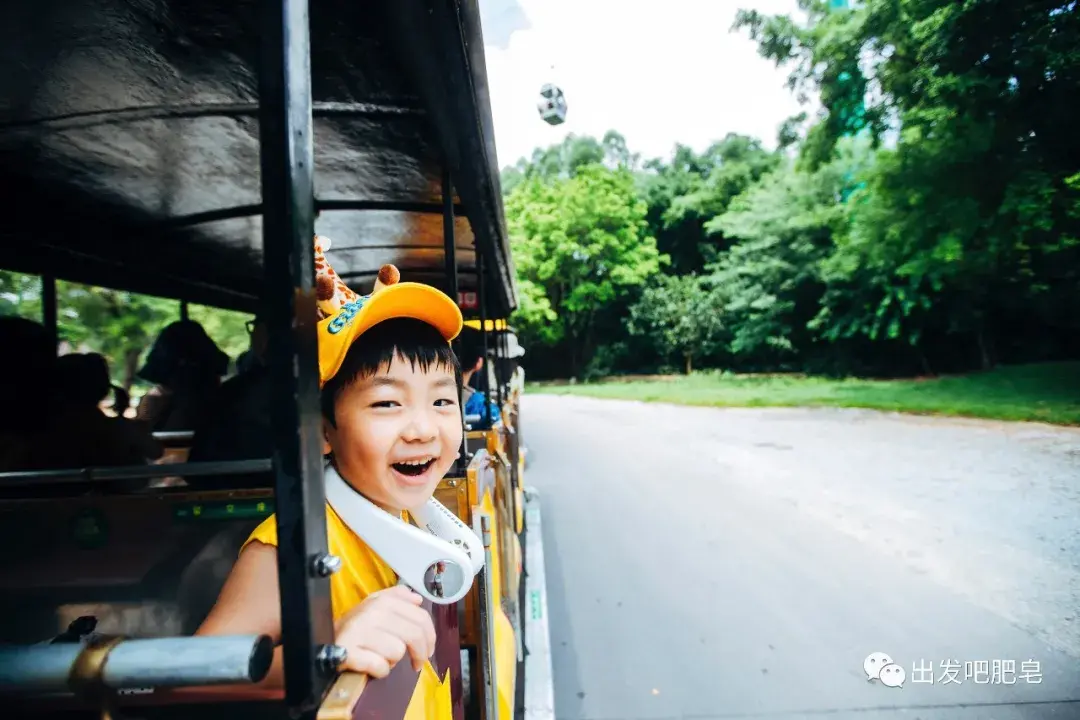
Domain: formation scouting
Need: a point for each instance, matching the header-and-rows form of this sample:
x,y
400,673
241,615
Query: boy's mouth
x,y
413,468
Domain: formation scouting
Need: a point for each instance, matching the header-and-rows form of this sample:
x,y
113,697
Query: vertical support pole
x,y
449,247
484,384
287,165
48,308
184,310
450,258
500,362
487,626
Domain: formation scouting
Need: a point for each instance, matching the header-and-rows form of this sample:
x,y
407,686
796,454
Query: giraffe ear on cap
x,y
388,275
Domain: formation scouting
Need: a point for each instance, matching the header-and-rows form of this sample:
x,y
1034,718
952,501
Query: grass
x,y
1046,392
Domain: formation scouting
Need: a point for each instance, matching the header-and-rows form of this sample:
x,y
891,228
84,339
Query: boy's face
x,y
398,433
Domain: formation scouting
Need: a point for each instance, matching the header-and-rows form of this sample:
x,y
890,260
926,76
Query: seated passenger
x,y
27,364
91,438
472,361
239,426
186,367
255,356
516,373
392,426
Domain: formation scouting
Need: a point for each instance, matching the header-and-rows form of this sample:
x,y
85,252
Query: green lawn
x,y
1048,392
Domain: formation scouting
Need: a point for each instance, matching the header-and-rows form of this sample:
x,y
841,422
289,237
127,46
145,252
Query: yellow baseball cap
x,y
345,315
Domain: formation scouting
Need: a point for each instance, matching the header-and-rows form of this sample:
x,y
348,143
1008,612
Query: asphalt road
x,y
706,563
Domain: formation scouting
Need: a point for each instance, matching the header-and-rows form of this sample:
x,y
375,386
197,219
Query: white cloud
x,y
659,73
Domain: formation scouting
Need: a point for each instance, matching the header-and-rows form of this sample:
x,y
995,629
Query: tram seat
x,y
143,565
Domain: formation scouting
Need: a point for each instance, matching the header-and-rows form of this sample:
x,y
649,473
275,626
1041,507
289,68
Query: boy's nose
x,y
420,428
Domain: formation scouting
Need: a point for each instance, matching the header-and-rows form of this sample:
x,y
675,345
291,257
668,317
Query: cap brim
x,y
402,300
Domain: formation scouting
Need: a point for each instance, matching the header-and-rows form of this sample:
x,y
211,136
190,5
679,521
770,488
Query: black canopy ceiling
x,y
129,144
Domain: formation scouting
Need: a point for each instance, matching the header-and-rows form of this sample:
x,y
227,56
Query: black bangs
x,y
418,343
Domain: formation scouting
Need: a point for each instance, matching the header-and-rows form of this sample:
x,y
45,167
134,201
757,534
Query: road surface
x,y
706,563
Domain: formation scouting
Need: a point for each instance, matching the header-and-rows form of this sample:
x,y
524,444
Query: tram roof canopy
x,y
129,151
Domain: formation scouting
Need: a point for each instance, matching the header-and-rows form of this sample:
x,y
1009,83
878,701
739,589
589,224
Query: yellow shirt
x,y
362,573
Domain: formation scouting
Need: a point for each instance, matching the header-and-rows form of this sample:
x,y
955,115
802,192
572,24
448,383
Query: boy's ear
x,y
326,449
479,364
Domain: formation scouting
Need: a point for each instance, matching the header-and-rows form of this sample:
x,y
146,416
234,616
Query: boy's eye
x,y
384,404
445,402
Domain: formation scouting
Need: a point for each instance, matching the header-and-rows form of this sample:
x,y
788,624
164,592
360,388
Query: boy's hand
x,y
380,630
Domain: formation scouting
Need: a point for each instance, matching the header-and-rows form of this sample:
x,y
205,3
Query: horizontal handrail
x,y
139,663
174,436
136,472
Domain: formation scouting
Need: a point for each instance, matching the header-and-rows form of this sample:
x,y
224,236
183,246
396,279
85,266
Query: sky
x,y
659,73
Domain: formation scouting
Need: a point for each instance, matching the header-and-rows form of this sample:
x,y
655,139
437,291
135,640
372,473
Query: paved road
x,y
707,563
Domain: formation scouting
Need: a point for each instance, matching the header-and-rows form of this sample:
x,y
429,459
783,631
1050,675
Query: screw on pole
x,y
325,565
330,658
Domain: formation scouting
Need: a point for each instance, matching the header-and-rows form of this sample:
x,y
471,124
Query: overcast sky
x,y
658,72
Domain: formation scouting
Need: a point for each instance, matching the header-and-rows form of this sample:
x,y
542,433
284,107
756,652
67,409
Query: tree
x,y
20,295
561,160
770,279
583,242
680,315
617,154
693,189
964,231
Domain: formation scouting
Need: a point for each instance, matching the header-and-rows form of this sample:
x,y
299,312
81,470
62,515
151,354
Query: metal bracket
x,y
85,679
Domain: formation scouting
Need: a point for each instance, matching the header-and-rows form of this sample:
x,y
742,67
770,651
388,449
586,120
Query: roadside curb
x,y
539,703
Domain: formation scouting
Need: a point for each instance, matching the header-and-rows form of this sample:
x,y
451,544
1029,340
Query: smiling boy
x,y
392,428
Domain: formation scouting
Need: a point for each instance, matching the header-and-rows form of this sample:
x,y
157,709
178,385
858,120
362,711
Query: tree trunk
x,y
131,366
574,356
924,363
689,365
986,359
570,337
588,344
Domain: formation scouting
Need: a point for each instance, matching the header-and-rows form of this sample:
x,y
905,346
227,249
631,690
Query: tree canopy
x,y
925,220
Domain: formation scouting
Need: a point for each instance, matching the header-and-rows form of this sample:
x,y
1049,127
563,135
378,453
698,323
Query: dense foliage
x,y
926,221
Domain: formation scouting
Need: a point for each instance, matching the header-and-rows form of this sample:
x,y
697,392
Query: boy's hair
x,y
415,341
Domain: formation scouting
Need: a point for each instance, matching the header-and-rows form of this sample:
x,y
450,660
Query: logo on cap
x,y
346,314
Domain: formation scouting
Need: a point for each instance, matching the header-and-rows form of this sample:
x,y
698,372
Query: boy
x,y
392,429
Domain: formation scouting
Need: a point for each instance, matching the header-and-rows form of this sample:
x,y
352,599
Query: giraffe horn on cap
x,y
331,292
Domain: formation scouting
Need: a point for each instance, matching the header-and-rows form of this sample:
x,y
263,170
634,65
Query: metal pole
x,y
48,307
500,362
184,312
449,249
485,385
450,257
145,662
287,164
487,628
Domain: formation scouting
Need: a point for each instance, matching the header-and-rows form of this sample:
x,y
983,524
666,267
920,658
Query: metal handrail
x,y
174,436
136,472
137,663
